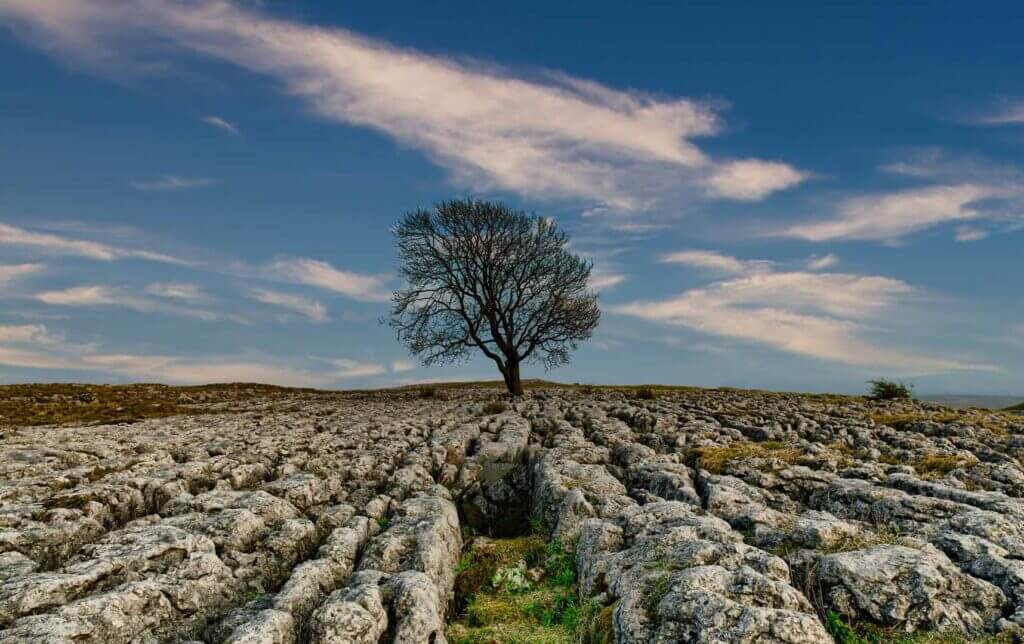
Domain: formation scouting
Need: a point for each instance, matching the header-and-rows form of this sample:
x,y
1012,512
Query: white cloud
x,y
714,261
100,295
890,216
173,182
177,291
220,123
11,272
80,296
33,333
820,315
752,179
369,288
401,366
545,134
822,262
1007,113
347,368
35,347
310,308
59,245
970,234
603,279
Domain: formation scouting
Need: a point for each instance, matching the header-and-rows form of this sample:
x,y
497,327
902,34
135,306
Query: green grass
x,y
549,612
845,633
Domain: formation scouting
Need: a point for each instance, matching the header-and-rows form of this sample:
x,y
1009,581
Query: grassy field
x,y
63,403
68,403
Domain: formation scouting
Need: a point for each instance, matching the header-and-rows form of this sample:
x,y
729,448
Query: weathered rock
x,y
907,588
331,517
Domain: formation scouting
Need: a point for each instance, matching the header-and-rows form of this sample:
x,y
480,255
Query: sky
x,y
802,196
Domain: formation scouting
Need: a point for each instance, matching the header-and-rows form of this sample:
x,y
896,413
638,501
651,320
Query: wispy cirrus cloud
x,y
177,291
221,124
828,316
347,368
46,243
543,134
890,216
960,191
102,296
402,365
310,308
603,279
1005,112
311,272
821,263
715,261
970,234
173,182
11,272
34,346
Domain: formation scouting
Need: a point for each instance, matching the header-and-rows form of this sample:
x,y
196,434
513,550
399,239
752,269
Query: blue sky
x,y
799,197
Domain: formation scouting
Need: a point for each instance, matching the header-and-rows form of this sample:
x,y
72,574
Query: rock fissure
x,y
693,515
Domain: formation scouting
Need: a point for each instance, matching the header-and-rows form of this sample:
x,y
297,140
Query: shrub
x,y
882,389
645,393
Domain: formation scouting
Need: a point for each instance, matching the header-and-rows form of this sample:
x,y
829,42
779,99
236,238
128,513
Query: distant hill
x,y
1019,407
960,401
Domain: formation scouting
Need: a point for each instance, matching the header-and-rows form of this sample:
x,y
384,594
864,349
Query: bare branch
x,y
479,275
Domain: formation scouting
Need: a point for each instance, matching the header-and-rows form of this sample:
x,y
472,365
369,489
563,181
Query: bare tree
x,y
479,275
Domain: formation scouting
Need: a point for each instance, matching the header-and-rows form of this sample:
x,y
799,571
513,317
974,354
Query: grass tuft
x,y
549,612
845,633
715,459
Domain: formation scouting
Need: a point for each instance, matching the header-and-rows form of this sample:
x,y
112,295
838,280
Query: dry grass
x,y
493,407
879,536
715,459
930,466
996,422
63,404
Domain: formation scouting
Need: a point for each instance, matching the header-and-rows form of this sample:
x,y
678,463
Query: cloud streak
x,y
12,272
34,346
311,309
890,216
101,296
221,124
173,182
311,272
817,315
51,244
716,262
545,134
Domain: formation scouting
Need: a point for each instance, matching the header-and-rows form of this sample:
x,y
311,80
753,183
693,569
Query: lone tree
x,y
479,275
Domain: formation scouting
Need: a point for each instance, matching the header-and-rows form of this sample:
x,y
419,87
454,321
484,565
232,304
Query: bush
x,y
645,393
882,389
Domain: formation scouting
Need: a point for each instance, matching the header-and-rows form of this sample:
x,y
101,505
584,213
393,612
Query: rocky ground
x,y
685,516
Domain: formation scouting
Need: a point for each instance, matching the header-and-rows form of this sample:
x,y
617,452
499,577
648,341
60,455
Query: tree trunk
x,y
515,385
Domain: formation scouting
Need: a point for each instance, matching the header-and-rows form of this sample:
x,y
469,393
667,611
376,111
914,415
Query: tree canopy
x,y
480,276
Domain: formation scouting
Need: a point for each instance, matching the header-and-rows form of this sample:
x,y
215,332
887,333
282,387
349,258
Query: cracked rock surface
x,y
694,515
